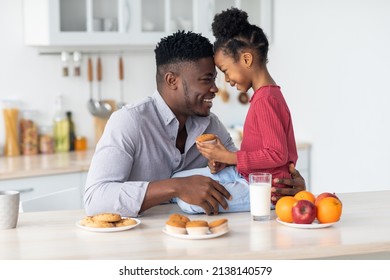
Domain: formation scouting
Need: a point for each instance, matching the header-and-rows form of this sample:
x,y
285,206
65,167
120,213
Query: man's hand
x,y
293,185
203,191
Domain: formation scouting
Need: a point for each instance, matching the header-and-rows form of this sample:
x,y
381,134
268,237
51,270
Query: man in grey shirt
x,y
144,144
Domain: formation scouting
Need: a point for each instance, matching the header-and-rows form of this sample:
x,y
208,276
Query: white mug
x,y
9,209
260,195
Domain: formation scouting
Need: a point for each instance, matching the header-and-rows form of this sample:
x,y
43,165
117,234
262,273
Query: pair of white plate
x,y
181,236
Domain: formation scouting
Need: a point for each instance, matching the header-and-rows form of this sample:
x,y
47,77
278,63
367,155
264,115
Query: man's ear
x,y
247,59
171,80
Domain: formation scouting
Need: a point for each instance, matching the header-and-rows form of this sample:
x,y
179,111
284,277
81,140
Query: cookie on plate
x,y
124,222
107,217
90,222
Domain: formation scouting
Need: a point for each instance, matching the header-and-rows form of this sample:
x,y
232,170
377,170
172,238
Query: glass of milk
x,y
260,195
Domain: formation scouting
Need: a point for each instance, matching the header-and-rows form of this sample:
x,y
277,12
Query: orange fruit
x,y
305,195
283,208
329,210
323,195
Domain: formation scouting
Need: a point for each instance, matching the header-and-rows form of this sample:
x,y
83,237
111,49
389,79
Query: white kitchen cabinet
x,y
52,192
119,23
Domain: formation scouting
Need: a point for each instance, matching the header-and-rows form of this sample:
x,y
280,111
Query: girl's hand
x,y
217,152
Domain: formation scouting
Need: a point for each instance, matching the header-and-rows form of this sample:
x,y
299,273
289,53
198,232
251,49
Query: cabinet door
x,y
99,23
74,22
104,22
62,200
68,186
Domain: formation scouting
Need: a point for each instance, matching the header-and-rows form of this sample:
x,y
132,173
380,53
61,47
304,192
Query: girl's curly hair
x,y
234,33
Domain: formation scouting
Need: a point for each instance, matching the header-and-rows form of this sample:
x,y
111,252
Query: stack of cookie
x,y
181,224
107,220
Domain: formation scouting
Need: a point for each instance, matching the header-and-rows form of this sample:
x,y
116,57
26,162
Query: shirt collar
x,y
166,114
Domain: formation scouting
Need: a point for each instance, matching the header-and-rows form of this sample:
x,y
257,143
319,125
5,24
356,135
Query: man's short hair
x,y
182,47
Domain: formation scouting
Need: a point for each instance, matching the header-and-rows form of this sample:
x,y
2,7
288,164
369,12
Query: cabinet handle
x,y
26,190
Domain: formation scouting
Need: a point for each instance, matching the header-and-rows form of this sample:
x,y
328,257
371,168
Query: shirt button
x,y
177,160
173,138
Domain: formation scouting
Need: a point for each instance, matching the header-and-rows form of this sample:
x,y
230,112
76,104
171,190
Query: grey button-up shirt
x,y
138,146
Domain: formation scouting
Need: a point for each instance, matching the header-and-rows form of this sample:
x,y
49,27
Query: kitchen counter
x,y
59,163
363,232
44,164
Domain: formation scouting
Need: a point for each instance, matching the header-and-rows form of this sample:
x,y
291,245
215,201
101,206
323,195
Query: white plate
x,y
313,225
192,237
112,229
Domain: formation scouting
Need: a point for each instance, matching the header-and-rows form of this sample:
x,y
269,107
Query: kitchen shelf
x,y
124,24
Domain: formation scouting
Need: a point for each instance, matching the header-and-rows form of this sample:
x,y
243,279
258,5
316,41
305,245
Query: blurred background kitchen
x,y
331,59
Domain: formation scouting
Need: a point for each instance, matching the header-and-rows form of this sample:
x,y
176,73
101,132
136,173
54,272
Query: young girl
x,y
268,143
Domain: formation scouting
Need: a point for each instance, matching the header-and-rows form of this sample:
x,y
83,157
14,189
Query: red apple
x,y
323,195
304,212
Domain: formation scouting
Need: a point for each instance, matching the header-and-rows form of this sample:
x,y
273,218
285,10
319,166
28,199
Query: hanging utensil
x,y
95,107
92,104
121,78
105,109
107,106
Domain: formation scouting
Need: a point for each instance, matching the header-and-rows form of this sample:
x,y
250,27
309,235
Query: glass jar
x,y
28,133
11,115
46,139
80,143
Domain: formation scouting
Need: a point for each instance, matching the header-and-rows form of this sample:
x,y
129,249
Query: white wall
x,y
330,57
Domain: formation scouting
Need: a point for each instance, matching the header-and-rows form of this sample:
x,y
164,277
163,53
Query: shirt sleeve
x,y
107,188
264,135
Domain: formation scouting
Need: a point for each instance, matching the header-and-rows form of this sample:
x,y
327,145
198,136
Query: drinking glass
x,y
260,195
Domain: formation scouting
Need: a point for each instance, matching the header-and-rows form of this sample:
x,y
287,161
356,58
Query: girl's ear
x,y
171,80
247,59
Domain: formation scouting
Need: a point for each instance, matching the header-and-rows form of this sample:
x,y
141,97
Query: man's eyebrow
x,y
210,75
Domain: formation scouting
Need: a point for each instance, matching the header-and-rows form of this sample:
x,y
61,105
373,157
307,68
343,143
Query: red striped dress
x,y
268,143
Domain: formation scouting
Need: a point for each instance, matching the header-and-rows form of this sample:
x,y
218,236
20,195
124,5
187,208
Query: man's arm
x,y
197,189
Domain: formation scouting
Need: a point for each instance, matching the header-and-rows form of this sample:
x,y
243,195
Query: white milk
x,y
260,199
